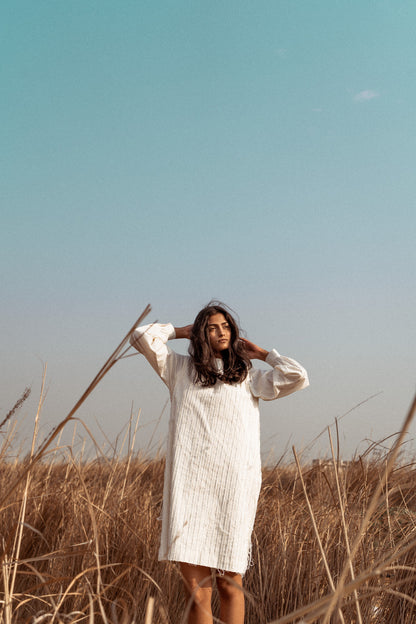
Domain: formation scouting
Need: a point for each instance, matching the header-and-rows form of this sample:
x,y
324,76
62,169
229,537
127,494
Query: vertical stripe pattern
x,y
213,468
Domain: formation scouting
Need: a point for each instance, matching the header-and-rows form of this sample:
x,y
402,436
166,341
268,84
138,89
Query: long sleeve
x,y
150,340
286,376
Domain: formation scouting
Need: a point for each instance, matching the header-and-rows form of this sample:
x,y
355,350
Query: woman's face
x,y
219,332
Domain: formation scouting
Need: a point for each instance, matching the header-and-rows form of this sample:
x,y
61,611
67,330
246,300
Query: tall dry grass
x,y
79,539
81,542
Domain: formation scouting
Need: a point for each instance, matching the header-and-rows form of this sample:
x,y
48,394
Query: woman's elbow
x,y
135,337
303,379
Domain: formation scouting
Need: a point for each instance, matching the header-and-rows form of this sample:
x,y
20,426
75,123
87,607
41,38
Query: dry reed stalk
x,y
8,438
114,357
344,526
163,615
386,476
149,610
352,409
91,605
6,583
315,528
130,454
16,406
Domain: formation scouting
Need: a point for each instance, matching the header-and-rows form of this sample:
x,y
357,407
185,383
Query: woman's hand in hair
x,y
183,332
254,352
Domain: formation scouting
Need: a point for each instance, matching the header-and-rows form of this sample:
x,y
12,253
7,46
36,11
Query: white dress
x,y
213,468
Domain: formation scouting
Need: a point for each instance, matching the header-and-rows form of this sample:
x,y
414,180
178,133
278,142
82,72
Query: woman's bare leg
x,y
231,598
198,588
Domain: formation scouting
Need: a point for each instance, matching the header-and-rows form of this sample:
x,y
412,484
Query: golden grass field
x,y
332,542
79,542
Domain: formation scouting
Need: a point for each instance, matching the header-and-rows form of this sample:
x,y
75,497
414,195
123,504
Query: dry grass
x,y
79,539
89,535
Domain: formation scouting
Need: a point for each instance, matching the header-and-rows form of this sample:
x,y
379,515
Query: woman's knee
x,y
230,586
197,583
201,597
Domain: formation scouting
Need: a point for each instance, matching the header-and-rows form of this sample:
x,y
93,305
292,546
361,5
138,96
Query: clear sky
x,y
260,152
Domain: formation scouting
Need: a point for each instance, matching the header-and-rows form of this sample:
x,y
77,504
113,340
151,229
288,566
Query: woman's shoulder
x,y
183,362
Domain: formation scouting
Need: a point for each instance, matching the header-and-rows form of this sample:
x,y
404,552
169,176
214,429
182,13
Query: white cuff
x,y
273,357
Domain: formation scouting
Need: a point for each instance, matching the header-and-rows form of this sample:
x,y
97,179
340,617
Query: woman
x,y
213,468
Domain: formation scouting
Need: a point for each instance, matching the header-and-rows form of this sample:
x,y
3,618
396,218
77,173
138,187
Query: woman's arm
x,y
286,376
151,340
254,352
183,332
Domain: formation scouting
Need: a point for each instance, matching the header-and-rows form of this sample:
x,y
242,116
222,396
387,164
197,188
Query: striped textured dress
x,y
213,468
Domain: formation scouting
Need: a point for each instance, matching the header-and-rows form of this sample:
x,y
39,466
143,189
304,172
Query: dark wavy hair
x,y
236,362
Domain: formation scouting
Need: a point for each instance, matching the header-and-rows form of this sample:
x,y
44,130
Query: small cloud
x,y
317,110
365,96
282,52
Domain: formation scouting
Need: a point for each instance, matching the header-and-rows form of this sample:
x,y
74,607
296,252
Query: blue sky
x,y
261,153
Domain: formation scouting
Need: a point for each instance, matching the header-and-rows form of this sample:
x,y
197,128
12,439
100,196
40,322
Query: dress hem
x,y
219,569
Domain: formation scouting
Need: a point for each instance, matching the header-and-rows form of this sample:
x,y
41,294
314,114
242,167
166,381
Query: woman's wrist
x,y
262,354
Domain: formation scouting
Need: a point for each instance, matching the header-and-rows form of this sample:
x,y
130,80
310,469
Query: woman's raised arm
x,y
151,340
254,352
183,332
